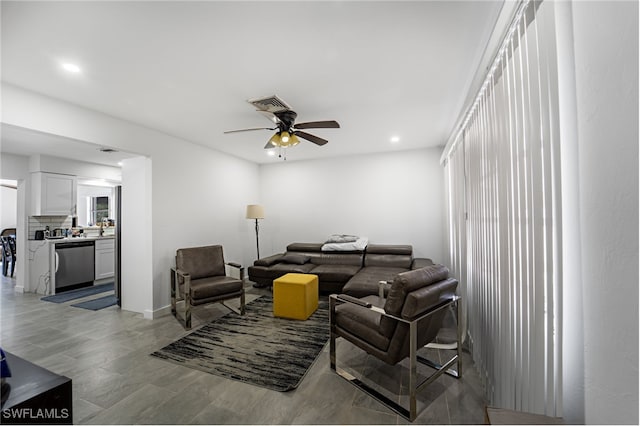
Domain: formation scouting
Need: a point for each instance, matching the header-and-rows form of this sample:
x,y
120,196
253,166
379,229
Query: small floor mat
x,y
97,304
78,294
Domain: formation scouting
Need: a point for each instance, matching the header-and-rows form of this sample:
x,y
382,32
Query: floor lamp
x,y
256,211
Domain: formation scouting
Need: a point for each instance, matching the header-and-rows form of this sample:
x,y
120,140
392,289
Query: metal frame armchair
x,y
394,328
200,277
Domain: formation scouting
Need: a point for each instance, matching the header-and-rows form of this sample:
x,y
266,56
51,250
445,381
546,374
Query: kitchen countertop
x,y
78,239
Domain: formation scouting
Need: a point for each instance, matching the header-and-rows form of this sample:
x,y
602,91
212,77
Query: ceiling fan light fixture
x,y
275,140
284,137
293,140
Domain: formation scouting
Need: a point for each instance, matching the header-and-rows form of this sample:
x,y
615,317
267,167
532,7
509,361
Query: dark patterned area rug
x,y
256,348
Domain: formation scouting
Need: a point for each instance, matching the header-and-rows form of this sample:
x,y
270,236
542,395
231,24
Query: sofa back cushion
x,y
318,257
304,247
201,262
388,255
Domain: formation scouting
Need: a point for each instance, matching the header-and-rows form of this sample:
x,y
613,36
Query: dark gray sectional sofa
x,y
355,273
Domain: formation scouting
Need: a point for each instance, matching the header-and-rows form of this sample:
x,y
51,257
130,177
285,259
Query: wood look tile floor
x,y
115,381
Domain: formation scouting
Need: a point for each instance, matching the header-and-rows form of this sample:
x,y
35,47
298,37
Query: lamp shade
x,y
255,211
293,140
275,140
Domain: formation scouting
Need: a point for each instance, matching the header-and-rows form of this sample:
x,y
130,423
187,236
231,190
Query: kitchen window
x,y
99,209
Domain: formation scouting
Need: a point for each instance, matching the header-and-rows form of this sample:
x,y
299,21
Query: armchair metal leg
x,y
241,310
173,292
187,311
332,338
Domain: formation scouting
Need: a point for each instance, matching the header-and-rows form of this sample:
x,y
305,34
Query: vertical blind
x,y
502,174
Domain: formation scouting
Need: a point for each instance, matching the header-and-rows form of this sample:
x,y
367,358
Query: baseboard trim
x,y
157,313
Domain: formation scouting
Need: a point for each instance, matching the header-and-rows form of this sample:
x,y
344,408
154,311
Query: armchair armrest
x,y
351,299
433,309
421,262
187,283
238,267
354,301
182,273
382,286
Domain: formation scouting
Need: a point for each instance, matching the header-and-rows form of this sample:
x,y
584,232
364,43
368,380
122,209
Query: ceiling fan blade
x,y
311,138
250,130
269,116
269,145
331,124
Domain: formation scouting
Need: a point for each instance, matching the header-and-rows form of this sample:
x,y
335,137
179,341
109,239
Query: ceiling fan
x,y
287,130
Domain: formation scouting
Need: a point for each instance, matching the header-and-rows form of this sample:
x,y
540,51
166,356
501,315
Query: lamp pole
x,y
257,240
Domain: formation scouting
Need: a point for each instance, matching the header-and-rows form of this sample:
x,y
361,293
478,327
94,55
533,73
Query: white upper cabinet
x,y
53,194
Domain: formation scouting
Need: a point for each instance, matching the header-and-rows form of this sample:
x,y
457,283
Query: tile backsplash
x,y
37,223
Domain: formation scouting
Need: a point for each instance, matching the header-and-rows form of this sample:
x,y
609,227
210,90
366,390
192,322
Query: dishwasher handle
x,y
57,262
72,245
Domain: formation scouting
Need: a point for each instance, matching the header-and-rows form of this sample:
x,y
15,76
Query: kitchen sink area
x,y
71,235
63,264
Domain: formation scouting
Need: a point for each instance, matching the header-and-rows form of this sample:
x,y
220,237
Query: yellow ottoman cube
x,y
295,296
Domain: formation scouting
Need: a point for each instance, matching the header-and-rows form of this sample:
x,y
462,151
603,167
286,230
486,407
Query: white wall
x,y
81,169
199,198
391,198
606,78
14,166
17,167
198,195
8,207
137,237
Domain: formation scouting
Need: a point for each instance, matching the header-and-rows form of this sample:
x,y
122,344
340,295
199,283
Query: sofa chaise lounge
x,y
355,273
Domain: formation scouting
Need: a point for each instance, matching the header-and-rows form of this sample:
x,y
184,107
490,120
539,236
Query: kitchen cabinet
x,y
105,258
53,194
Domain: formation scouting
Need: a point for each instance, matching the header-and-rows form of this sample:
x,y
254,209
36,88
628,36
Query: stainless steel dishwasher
x,y
75,265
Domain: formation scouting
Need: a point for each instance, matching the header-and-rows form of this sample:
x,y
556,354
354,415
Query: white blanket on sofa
x,y
358,245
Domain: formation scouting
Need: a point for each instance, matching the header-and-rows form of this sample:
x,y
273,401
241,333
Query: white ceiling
x,y
379,68
21,141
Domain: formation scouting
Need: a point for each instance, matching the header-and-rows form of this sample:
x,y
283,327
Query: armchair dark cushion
x,y
201,262
395,328
411,295
210,289
200,276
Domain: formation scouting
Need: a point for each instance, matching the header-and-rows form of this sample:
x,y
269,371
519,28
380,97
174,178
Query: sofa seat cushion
x,y
211,287
260,272
284,268
335,273
362,322
365,282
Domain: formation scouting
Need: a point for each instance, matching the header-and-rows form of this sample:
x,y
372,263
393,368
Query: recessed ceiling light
x,y
120,163
271,152
395,139
73,68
